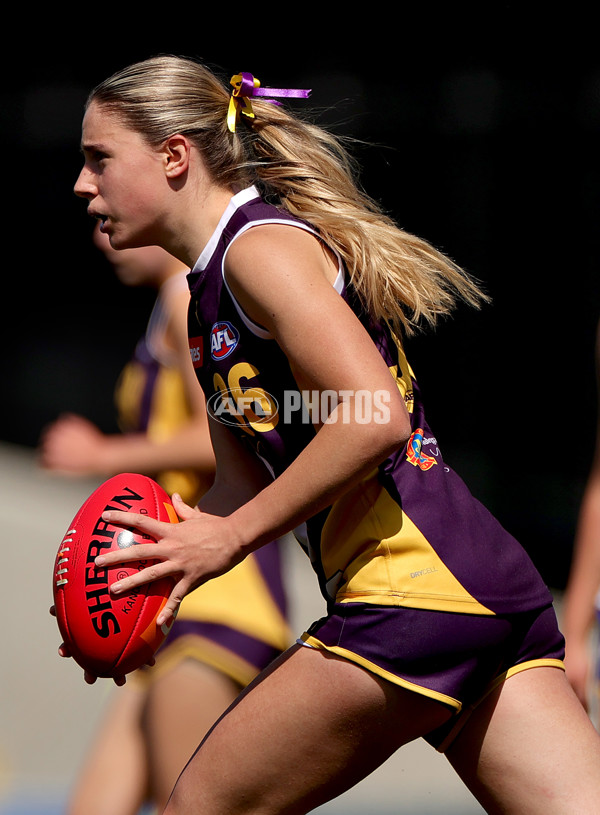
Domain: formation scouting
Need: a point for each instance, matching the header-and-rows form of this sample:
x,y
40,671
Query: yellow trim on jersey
x,y
403,374
241,600
382,557
313,642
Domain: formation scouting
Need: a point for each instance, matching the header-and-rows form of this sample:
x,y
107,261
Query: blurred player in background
x,y
160,407
582,597
228,630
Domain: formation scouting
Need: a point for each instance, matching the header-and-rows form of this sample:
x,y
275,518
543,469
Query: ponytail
x,y
398,277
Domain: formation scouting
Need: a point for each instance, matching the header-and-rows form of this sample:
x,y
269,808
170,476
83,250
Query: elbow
x,y
396,435
391,431
399,425
378,432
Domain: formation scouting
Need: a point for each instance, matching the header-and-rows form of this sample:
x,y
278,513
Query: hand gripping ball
x,y
110,635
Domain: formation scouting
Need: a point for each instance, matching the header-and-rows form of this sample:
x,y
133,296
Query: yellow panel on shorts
x,y
240,599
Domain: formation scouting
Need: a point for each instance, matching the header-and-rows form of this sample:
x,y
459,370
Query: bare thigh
x,y
310,728
114,777
530,749
181,706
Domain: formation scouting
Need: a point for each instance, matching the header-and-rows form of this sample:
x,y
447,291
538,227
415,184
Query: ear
x,y
176,151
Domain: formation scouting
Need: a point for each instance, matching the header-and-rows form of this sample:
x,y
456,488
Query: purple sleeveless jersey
x,y
410,534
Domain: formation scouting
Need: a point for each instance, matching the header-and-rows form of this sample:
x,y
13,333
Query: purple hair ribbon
x,y
246,87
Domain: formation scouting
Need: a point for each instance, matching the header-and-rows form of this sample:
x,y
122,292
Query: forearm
x,y
138,452
339,456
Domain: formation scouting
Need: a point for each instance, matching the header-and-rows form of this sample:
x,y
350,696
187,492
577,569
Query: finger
x,y
132,519
171,607
156,571
53,611
184,511
141,551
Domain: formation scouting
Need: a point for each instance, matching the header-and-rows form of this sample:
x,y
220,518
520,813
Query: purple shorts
x,y
456,659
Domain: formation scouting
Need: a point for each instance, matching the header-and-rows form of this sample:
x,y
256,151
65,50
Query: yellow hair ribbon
x,y
246,86
239,103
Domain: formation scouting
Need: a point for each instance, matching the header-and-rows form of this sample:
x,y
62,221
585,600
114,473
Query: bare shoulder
x,y
271,264
279,246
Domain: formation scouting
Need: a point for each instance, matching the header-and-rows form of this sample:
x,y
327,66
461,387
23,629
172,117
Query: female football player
x,y
302,292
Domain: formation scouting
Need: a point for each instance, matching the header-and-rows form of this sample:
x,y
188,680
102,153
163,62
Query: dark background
x,y
479,132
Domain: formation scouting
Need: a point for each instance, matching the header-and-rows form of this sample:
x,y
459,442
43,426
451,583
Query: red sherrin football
x,y
109,635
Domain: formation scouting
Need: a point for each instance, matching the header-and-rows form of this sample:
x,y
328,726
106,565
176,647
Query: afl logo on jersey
x,y
223,339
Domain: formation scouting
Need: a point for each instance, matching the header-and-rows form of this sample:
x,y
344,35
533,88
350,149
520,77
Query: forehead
x,y
102,128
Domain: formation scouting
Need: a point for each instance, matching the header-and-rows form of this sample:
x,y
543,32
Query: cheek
x,y
139,184
139,217
139,203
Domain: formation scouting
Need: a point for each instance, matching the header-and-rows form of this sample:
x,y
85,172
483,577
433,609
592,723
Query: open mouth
x,y
99,216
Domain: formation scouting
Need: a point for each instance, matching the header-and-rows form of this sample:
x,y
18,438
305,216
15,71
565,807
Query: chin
x,y
121,242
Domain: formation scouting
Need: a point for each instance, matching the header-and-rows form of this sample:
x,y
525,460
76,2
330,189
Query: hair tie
x,y
245,87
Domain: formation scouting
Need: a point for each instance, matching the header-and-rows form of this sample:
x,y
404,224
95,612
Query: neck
x,y
194,225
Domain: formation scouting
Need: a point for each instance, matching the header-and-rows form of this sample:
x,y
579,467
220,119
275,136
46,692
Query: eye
x,y
98,157
94,158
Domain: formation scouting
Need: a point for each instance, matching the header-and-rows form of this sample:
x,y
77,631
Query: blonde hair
x,y
398,277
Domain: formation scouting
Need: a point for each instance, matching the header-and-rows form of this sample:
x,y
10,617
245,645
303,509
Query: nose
x,y
85,186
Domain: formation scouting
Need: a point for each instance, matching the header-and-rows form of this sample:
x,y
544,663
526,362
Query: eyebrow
x,y
91,146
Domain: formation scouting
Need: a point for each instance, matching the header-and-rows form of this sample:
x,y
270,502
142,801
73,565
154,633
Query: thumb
x,y
184,511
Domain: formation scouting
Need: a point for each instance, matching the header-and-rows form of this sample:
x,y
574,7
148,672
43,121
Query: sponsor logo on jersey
x,y
223,339
414,453
196,351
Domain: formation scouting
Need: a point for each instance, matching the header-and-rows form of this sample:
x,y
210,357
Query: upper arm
x,y
282,277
